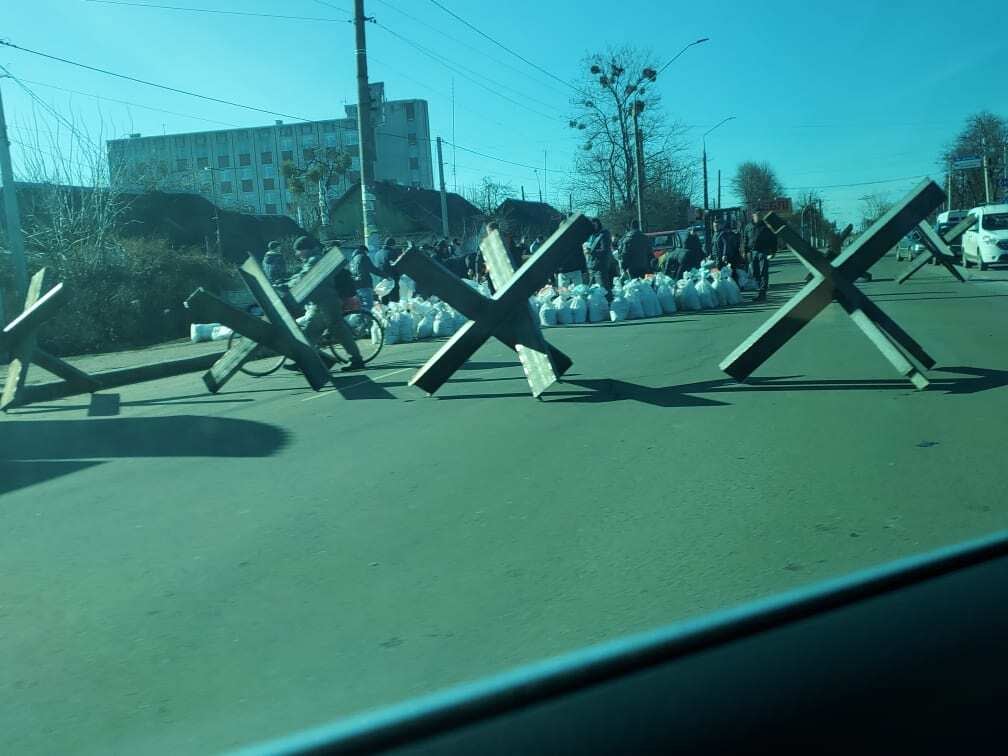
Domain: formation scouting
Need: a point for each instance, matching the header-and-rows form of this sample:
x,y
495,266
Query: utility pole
x,y
986,178
444,196
949,196
706,206
545,176
638,106
15,241
719,189
523,192
365,133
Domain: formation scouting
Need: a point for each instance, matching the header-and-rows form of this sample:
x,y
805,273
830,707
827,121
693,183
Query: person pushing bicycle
x,y
324,309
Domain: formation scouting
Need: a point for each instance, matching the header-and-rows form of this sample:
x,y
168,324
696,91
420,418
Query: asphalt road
x,y
183,573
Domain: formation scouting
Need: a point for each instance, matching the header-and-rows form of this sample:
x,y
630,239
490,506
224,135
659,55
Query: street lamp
x,y
697,42
706,199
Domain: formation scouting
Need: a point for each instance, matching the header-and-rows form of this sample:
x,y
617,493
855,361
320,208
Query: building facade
x,y
240,169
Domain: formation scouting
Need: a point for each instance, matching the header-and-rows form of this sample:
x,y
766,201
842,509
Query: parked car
x,y
986,242
910,246
664,241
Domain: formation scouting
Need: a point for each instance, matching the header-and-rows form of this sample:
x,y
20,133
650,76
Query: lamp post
x,y
706,200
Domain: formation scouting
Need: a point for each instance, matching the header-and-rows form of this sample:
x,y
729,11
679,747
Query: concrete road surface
x,y
184,573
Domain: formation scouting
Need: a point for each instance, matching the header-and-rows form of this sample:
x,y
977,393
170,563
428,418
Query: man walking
x,y
388,254
598,256
727,247
635,252
324,310
759,242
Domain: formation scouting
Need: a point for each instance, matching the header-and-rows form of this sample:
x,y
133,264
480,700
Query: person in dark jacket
x,y
361,271
635,250
599,257
758,243
274,265
682,260
383,260
727,247
324,309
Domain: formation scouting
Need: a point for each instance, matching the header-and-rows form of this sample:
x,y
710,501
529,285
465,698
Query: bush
x,y
128,294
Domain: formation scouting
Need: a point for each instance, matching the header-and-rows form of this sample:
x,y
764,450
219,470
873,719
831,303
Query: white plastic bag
x,y
407,327
619,309
686,296
649,301
731,289
666,298
202,331
407,288
563,313
708,299
598,307
425,326
720,290
631,294
578,306
444,321
391,326
383,288
547,314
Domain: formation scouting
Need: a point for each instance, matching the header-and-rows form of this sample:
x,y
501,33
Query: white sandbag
x,y
666,298
649,301
731,289
547,314
578,307
563,313
391,326
619,310
686,296
407,288
202,332
407,327
708,299
383,288
598,307
720,291
220,333
444,322
631,294
425,326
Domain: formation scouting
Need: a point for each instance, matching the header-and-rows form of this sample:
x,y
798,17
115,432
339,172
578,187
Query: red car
x,y
663,241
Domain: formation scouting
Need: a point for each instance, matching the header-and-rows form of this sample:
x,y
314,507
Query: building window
x,y
202,162
223,161
201,139
410,111
286,131
307,128
225,187
267,158
411,138
245,159
246,185
182,164
271,209
269,184
222,137
414,163
287,156
180,141
309,154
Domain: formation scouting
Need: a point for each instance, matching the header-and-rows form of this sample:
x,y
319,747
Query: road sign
x,y
962,164
777,205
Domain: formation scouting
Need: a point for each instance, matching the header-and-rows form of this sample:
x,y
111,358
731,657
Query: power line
x,y
176,90
503,160
860,183
220,12
456,40
503,46
132,104
447,64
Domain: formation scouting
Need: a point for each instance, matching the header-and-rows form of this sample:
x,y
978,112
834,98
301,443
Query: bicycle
x,y
367,330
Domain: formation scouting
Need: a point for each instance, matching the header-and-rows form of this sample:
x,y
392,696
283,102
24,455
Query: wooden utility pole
x,y
444,195
638,106
365,132
15,240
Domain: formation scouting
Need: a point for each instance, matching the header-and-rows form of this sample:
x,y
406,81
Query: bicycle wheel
x,y
261,363
368,334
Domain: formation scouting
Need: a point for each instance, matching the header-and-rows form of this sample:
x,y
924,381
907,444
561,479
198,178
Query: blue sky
x,y
847,92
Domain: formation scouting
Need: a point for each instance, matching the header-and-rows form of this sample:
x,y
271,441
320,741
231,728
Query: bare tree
x,y
604,170
985,134
754,182
874,206
312,185
489,194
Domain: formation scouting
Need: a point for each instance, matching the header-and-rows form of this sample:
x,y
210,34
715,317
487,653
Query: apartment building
x,y
240,169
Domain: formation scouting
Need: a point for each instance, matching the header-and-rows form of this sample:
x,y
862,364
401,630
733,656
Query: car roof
x,y
990,209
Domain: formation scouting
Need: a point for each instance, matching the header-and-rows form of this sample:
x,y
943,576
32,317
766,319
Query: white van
x,y
986,242
951,217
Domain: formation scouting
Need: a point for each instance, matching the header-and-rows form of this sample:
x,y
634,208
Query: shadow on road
x,y
32,451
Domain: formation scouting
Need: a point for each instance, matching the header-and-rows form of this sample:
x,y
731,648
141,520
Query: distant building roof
x,y
526,214
422,206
